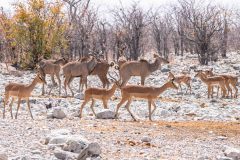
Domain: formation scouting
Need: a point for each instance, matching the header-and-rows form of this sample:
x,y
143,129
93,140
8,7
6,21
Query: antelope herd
x,y
94,66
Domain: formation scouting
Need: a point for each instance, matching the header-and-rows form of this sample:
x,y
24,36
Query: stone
x,y
49,115
204,158
94,148
75,145
164,113
60,154
165,70
58,113
146,139
223,158
231,152
68,146
79,96
91,150
106,114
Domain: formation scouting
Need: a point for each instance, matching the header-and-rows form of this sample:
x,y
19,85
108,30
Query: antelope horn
x,y
112,77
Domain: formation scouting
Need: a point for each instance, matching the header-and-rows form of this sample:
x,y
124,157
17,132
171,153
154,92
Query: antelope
x,y
211,81
98,93
100,70
181,79
20,91
51,67
77,69
140,68
230,79
121,62
149,93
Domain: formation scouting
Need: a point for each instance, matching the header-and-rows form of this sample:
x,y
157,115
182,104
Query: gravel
x,y
185,126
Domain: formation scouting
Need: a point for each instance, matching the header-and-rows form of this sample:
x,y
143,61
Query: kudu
x,y
100,70
51,67
77,69
140,68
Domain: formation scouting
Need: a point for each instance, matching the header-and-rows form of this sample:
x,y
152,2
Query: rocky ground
x,y
185,126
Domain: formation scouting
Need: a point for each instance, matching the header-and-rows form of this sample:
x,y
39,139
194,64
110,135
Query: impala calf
x,y
212,81
181,79
20,91
98,93
229,79
150,93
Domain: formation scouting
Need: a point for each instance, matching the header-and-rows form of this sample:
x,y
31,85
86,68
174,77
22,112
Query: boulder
x,y
68,146
58,113
223,158
231,152
106,114
92,150
60,154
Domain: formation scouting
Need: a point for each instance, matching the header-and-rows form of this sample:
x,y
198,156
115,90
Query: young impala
x,y
102,94
229,79
20,91
212,81
181,79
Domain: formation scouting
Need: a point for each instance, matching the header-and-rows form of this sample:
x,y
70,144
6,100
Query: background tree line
x,y
73,28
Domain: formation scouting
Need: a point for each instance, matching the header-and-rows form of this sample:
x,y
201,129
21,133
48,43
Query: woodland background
x,y
74,28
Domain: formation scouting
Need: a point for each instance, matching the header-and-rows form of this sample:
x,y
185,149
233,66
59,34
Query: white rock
x,y
223,158
64,155
106,114
146,139
231,152
94,148
75,145
164,113
49,115
60,139
58,113
79,96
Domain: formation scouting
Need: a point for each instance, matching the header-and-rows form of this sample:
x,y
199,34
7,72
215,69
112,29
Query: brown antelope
x,y
230,79
100,70
20,91
77,69
140,68
121,62
211,81
51,67
181,79
98,93
149,93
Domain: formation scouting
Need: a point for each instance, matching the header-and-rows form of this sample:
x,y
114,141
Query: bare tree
x,y
162,28
206,24
131,22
